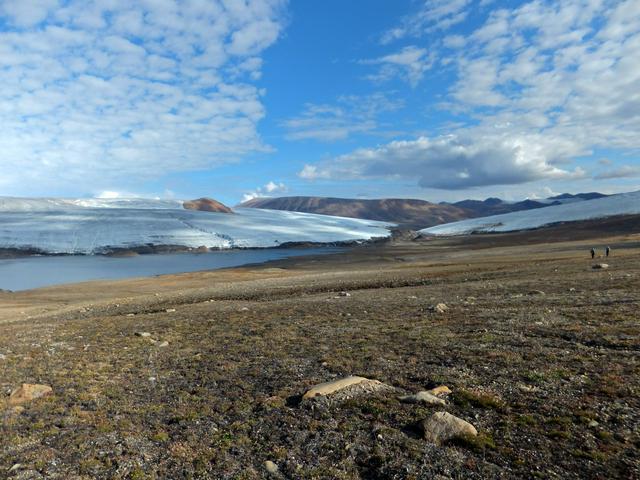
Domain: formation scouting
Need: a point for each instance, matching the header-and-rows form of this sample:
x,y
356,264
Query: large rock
x,y
442,427
600,266
28,392
347,387
422,397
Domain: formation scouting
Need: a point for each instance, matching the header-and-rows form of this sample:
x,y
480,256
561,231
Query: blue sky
x,y
433,99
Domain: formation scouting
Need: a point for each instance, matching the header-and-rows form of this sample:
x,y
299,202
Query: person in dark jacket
x,y
593,253
607,251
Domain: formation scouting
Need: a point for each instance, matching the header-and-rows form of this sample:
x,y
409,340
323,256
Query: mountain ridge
x,y
406,212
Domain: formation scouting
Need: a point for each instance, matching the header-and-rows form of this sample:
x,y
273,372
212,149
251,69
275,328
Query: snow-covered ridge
x,y
91,225
621,204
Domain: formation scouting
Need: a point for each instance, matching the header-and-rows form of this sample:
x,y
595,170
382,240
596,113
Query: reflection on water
x,y
34,272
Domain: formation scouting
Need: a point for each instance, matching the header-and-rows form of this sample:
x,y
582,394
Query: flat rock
x,y
143,334
442,426
440,390
28,392
422,397
347,387
600,266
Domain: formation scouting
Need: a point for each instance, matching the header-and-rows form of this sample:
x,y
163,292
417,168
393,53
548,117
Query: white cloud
x,y
450,162
625,171
432,15
537,87
350,115
312,172
265,191
96,93
410,64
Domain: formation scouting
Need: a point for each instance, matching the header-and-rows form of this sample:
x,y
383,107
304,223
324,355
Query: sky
x,y
434,99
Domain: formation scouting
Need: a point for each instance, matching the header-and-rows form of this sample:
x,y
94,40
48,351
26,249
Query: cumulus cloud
x,y
350,115
536,88
266,190
448,162
100,92
625,171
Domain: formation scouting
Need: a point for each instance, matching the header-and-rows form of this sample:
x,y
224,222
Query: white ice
x,y
621,204
90,225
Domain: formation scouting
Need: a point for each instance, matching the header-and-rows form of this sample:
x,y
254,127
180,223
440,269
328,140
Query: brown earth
x,y
541,352
206,205
405,212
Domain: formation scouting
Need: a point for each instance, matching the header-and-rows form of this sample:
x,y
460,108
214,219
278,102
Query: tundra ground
x,y
542,354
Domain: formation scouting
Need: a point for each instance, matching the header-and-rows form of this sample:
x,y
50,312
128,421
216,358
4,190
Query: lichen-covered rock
x,y
439,308
440,391
271,467
442,427
28,392
346,388
422,397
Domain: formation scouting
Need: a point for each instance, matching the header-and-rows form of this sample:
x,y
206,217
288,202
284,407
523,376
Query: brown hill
x,y
406,212
206,205
409,213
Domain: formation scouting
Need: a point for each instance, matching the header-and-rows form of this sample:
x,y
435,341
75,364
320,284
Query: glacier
x,y
90,226
620,204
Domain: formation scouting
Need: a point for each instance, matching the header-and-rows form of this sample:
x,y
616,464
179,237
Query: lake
x,y
34,272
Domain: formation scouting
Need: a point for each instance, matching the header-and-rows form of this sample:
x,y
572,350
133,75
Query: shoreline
x,y
10,253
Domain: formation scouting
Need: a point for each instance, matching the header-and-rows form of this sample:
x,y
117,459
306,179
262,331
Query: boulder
x,y
442,427
28,392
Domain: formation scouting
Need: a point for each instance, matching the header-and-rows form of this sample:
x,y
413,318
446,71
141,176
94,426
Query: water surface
x,y
34,272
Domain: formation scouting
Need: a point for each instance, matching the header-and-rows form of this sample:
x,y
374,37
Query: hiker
x,y
593,253
607,251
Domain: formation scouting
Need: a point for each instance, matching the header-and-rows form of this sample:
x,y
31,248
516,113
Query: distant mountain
x,y
495,206
406,212
578,196
409,213
206,205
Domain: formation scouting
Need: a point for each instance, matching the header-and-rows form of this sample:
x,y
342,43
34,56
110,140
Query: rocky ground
x,y
204,375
